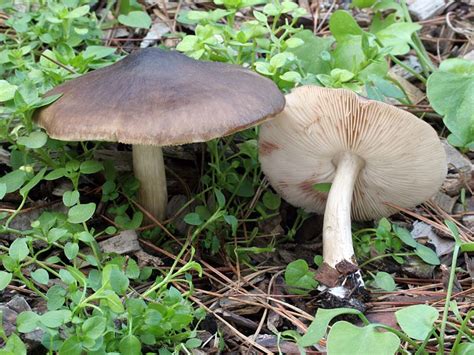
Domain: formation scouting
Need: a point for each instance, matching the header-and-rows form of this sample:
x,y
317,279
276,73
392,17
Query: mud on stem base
x,y
342,286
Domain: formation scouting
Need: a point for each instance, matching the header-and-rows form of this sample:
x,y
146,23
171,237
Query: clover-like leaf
x,y
450,92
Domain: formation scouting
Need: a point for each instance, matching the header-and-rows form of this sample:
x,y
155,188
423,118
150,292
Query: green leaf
x,y
310,53
27,321
66,277
19,249
70,198
55,234
71,250
81,213
41,276
114,302
291,76
9,263
7,90
288,6
342,25
450,91
71,346
220,198
137,19
55,174
246,188
3,190
386,87
90,167
318,326
322,187
464,349
203,212
361,4
132,270
294,42
385,281
14,346
85,237
77,275
5,278
297,274
341,75
46,101
417,321
345,338
383,228
118,281
467,247
193,219
94,327
32,183
427,255
130,344
279,60
34,140
233,222
318,260
193,343
398,37
404,236
98,52
13,180
54,319
260,17
263,68
56,297
458,66
78,12
188,43
271,200
453,229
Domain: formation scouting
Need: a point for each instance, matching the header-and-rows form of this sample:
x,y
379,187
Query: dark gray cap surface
x,y
160,98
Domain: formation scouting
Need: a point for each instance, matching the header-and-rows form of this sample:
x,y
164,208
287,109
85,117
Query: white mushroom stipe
x,y
149,169
371,152
337,241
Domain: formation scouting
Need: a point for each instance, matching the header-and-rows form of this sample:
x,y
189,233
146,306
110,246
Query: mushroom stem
x,y
149,169
337,235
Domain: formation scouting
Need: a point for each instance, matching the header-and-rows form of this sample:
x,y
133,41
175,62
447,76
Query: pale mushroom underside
x,y
405,163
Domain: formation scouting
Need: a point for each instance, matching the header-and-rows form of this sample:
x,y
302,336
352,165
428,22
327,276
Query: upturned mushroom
x,y
371,153
154,98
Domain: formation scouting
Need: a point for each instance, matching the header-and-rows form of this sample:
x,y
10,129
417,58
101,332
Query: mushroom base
x,y
342,286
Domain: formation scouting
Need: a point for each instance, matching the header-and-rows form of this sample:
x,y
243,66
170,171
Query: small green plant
x,y
450,91
389,240
107,309
89,309
290,55
99,311
418,324
299,278
384,281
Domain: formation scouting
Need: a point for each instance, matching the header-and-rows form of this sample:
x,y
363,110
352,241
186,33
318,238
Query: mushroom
x,y
371,153
154,98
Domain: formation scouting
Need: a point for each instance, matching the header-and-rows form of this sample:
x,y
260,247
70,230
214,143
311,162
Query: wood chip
x,y
445,202
156,32
414,94
145,259
425,9
123,243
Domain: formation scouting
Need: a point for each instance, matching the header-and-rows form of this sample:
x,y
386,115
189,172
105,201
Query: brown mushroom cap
x,y
157,97
404,161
